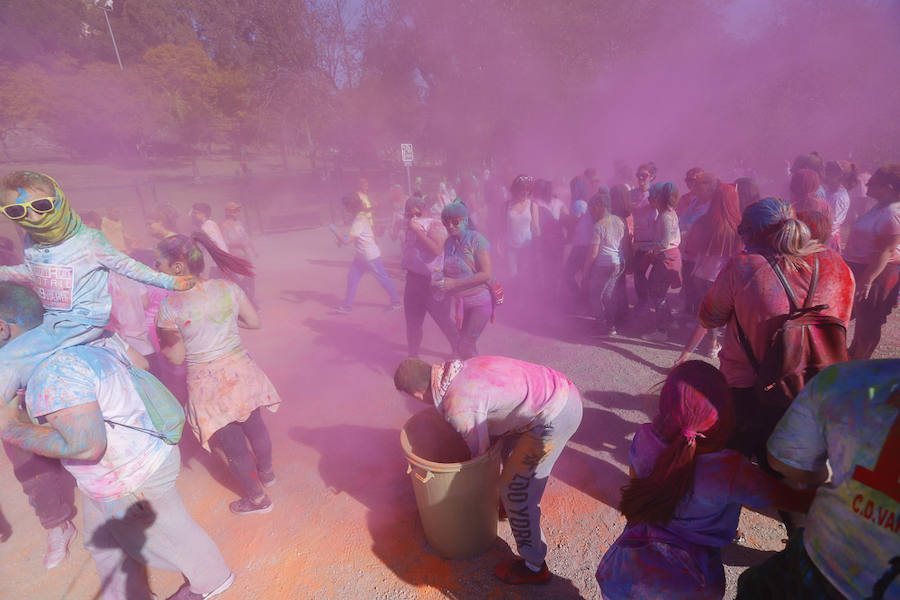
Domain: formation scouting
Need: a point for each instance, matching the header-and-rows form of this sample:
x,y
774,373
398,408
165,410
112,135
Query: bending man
x,y
536,408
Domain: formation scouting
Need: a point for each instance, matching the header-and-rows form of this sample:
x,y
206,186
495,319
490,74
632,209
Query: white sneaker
x,y
58,540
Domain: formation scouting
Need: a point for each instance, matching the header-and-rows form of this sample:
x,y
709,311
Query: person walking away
x,y
840,177
620,206
535,409
713,241
226,388
603,266
690,208
747,296
664,254
367,258
684,499
873,254
806,194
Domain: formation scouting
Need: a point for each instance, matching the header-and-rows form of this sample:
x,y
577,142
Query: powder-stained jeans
x,y
525,472
417,301
602,292
358,268
231,441
49,487
150,527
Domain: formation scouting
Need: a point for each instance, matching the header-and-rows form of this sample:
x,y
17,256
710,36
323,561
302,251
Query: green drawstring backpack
x,y
164,409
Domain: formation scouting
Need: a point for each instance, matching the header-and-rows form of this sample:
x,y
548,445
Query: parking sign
x,y
406,153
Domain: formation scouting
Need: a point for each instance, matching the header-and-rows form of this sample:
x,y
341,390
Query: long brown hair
x,y
695,417
184,248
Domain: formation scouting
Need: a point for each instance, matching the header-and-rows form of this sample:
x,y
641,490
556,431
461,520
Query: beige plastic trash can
x,y
457,499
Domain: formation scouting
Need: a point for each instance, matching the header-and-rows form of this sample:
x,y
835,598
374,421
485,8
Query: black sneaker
x,y
516,572
246,506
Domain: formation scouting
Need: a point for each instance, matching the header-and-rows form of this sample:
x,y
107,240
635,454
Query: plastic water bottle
x,y
437,280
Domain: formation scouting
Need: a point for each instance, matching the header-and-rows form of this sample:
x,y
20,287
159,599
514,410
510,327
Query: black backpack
x,y
803,343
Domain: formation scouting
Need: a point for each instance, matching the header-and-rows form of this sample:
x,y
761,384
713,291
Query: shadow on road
x,y
356,345
368,464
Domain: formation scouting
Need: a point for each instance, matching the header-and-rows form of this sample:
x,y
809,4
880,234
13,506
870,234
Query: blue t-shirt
x,y
849,415
99,373
460,261
72,278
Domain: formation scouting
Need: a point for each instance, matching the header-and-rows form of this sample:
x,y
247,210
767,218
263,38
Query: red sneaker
x,y
516,572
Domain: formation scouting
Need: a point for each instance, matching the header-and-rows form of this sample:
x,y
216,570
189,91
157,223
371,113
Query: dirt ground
x,y
345,523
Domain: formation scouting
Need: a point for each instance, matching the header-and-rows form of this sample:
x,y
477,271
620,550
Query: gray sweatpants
x,y
150,527
525,472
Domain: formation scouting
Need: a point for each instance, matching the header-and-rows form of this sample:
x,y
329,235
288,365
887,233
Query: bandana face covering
x,y
55,226
441,377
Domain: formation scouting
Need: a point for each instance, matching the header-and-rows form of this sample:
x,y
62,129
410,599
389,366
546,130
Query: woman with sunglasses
x,y
68,265
226,388
467,275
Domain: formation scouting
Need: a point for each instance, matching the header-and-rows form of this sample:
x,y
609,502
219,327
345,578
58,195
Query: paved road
x,y
345,523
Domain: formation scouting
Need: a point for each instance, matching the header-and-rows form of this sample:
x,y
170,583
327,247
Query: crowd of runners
x,y
789,414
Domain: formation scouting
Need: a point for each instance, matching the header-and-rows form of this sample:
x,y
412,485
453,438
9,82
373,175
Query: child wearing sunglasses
x,y
68,265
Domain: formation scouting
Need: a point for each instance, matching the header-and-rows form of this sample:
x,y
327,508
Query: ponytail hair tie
x,y
690,435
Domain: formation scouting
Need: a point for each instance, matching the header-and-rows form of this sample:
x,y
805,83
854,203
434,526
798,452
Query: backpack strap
x,y
154,433
745,344
792,297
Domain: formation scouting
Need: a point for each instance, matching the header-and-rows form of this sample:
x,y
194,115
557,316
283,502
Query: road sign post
x,y
406,155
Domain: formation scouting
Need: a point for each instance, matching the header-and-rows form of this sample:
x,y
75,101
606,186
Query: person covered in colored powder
x,y
685,495
226,388
534,408
848,416
747,296
96,423
367,257
423,258
873,254
467,273
68,265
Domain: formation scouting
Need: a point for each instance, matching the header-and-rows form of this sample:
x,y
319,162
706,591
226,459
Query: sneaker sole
x,y
225,585
256,511
269,483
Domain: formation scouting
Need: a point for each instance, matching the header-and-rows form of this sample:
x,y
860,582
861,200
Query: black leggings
x,y
417,301
232,440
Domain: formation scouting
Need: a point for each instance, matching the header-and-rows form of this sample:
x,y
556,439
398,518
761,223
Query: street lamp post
x,y
107,6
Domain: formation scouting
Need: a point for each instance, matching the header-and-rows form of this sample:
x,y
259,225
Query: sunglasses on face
x,y
690,180
456,222
18,211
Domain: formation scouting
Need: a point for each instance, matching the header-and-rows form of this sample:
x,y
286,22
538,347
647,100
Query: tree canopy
x,y
468,81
